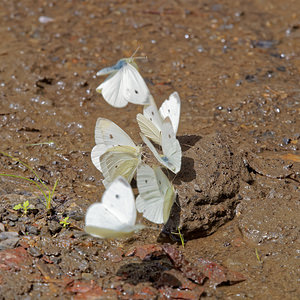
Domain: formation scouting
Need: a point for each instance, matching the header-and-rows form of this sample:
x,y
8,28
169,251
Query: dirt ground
x,y
235,65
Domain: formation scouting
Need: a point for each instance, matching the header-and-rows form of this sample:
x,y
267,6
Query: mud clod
x,y
208,185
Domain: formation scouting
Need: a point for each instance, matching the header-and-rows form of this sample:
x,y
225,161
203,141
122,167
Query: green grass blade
x,y
28,167
27,179
53,190
50,195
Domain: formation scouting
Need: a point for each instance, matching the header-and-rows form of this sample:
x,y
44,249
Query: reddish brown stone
x,y
114,255
16,259
145,251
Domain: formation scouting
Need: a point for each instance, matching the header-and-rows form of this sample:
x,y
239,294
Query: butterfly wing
x,y
116,215
170,197
172,153
100,222
134,87
119,161
171,148
150,122
110,134
152,114
119,200
150,201
171,108
168,192
149,129
112,89
153,149
97,151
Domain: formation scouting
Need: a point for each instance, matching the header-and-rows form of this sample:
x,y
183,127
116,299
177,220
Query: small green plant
x,y
257,256
65,222
180,236
47,193
24,206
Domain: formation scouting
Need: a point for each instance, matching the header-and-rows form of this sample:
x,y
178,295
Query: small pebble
x,y
83,266
281,68
55,259
45,19
8,235
238,82
24,219
31,229
76,215
13,218
250,78
286,141
54,227
35,252
87,276
9,243
80,234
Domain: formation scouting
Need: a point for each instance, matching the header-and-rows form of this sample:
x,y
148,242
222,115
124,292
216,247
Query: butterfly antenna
x,y
134,53
138,57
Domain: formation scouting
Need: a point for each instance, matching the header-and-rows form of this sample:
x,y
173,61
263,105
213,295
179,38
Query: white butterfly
x,y
124,84
157,194
115,216
172,153
115,153
150,122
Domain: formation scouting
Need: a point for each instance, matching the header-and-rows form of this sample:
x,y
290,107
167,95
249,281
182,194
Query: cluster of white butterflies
x,y
120,159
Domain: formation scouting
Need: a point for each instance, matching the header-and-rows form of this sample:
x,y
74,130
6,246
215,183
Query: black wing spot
x,y
159,182
169,111
111,136
117,196
146,181
152,113
136,91
116,166
169,136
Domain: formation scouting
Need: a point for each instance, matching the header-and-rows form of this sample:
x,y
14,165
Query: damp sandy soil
x,y
235,65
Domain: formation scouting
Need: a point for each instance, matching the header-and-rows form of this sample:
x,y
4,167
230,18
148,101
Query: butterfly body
x,y
121,63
